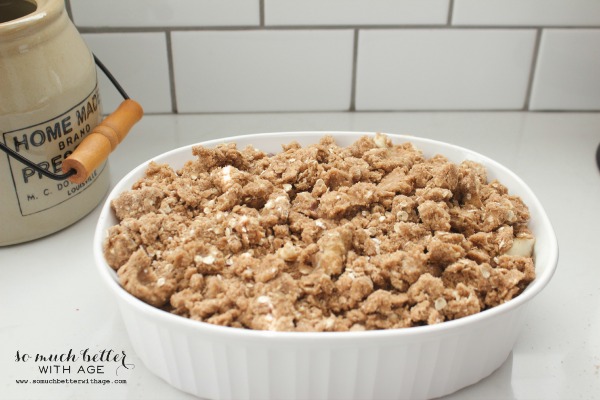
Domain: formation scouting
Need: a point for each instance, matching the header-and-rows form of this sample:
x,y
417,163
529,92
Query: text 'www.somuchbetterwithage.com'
x,y
85,367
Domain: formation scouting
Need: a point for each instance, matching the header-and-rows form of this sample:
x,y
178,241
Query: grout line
x,y
321,27
534,59
450,13
354,65
171,67
441,111
261,11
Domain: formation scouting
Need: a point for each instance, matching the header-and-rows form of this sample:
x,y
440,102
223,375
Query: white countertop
x,y
52,300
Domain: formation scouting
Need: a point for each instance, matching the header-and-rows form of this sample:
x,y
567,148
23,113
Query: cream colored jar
x,y
49,102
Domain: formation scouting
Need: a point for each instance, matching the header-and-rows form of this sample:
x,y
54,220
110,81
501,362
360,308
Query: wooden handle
x,y
103,139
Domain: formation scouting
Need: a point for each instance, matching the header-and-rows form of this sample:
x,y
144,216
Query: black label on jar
x,y
47,144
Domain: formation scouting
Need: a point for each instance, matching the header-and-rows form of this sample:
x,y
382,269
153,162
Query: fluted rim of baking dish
x,y
534,288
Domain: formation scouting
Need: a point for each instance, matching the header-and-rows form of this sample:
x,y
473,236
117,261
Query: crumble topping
x,y
321,238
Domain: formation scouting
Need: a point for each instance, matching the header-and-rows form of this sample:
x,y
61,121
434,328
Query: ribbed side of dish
x,y
415,363
211,366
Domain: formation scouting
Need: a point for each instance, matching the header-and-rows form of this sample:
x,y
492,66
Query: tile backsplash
x,y
200,56
355,12
433,69
262,70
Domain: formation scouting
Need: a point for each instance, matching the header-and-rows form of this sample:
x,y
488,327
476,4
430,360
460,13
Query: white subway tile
x,y
139,63
567,75
159,13
452,69
526,12
273,70
355,12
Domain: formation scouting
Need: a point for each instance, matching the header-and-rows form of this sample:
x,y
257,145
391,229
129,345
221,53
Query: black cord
x,y
598,156
71,172
111,77
29,163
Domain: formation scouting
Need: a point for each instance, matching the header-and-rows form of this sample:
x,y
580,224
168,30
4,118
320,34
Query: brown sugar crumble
x,y
321,238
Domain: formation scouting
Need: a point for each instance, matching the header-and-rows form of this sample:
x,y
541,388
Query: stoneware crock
x,y
49,102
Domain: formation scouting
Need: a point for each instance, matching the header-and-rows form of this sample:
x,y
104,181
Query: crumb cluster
x,y
321,238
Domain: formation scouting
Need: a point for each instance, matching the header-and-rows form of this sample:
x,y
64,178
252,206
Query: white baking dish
x,y
217,362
